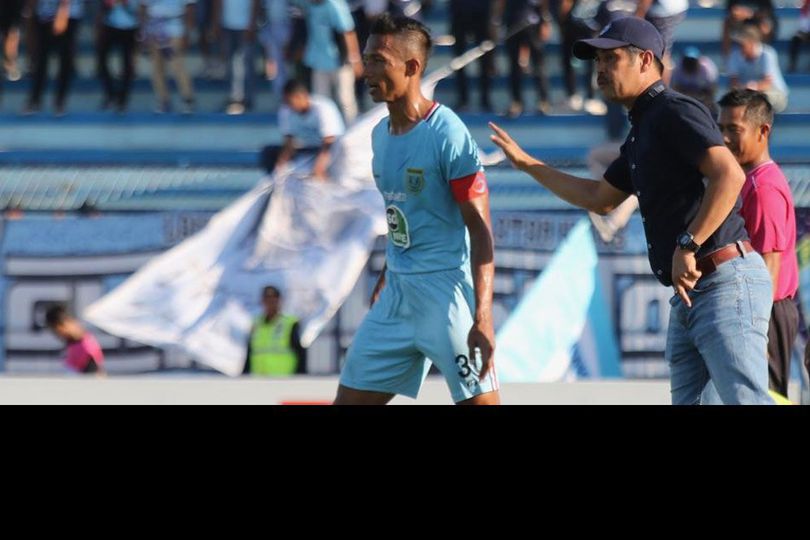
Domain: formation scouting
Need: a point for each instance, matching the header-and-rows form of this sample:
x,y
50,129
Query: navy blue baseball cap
x,y
621,33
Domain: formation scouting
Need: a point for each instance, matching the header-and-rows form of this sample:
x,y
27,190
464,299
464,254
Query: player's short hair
x,y
416,33
758,109
55,315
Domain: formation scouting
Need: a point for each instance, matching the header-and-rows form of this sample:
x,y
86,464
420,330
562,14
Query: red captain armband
x,y
469,187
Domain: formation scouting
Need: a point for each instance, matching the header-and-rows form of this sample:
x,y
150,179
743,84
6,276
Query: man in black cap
x,y
688,185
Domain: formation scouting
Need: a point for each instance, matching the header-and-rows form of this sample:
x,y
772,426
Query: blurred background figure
x,y
406,8
364,13
83,354
755,65
333,53
237,21
275,35
665,15
56,24
533,19
166,26
696,75
759,12
802,36
470,24
310,125
116,27
274,347
10,21
211,50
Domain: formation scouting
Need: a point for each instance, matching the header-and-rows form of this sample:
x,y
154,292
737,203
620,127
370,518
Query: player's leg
x,y
447,303
350,396
383,360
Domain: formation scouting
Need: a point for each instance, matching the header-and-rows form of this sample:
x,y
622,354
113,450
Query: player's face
x,y
384,69
617,74
742,137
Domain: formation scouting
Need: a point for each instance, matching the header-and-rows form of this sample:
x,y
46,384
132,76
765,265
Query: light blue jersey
x,y
425,311
236,14
123,15
426,232
46,9
323,21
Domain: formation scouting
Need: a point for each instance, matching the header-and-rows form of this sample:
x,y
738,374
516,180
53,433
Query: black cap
x,y
621,33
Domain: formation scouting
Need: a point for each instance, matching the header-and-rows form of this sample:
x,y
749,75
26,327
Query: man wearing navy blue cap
x,y
688,185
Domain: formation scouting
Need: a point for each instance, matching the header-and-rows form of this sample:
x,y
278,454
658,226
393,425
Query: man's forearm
x,y
643,7
482,261
572,189
352,47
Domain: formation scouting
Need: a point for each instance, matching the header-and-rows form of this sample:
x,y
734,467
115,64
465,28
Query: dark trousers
x,y
795,46
475,24
269,155
116,91
573,30
64,46
528,37
361,28
781,334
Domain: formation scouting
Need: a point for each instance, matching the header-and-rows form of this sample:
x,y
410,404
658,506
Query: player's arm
x,y
473,201
599,197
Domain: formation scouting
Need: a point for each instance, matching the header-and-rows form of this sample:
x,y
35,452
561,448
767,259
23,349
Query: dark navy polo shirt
x,y
659,162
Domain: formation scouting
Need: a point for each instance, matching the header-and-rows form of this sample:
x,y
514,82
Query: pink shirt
x,y
80,352
770,218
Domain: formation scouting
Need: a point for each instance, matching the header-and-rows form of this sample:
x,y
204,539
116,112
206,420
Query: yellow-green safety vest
x,y
271,350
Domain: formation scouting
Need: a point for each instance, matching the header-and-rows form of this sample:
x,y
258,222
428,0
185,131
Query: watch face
x,y
683,240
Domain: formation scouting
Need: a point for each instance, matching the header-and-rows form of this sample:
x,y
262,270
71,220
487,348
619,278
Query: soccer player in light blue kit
x,y
433,302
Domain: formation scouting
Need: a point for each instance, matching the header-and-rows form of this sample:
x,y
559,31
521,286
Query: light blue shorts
x,y
418,319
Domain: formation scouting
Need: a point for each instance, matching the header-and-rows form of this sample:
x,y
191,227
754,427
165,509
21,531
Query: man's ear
x,y
413,67
647,61
764,131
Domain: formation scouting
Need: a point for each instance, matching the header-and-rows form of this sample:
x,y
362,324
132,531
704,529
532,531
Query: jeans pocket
x,y
760,297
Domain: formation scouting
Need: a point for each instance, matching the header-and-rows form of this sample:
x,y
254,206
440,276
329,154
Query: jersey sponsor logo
x,y
395,196
414,180
397,227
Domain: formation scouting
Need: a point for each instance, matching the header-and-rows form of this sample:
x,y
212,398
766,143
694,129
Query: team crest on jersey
x,y
414,180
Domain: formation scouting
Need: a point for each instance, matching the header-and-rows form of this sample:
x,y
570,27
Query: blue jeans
x,y
241,67
723,337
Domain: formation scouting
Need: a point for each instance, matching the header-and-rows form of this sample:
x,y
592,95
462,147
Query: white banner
x,y
311,239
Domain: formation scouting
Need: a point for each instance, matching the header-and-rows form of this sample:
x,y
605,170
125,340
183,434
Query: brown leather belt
x,y
709,263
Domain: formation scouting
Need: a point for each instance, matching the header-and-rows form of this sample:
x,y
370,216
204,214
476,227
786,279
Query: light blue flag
x,y
561,329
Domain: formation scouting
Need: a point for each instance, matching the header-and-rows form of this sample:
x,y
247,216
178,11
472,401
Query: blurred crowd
x,y
258,45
